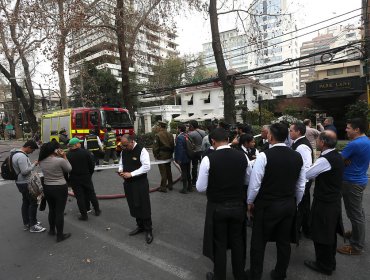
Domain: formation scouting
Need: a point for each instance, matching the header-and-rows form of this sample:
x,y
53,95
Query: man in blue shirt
x,y
356,157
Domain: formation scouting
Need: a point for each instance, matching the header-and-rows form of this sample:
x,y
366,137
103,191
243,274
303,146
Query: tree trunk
x,y
61,47
121,40
227,83
15,103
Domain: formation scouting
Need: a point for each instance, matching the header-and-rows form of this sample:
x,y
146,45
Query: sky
x,y
194,29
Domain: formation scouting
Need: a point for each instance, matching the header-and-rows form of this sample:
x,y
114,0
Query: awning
x,y
186,98
211,116
204,95
182,118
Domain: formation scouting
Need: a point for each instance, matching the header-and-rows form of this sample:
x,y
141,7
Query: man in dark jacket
x,y
276,186
163,148
134,165
80,178
93,144
110,146
182,158
223,175
326,205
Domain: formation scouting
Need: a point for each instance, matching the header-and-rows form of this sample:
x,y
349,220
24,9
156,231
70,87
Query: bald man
x,y
326,214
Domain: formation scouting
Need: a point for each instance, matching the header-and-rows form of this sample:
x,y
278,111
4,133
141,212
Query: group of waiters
x,y
273,190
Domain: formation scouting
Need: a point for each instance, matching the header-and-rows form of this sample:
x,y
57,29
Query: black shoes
x,y
164,190
83,218
209,276
97,212
184,191
63,237
136,231
314,266
148,237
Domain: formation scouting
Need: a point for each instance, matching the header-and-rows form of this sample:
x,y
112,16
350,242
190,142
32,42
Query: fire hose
x,y
115,166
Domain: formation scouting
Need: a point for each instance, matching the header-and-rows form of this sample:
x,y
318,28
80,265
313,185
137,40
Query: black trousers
x,y
84,192
325,255
228,223
166,175
273,222
145,224
304,211
185,175
56,196
194,169
29,205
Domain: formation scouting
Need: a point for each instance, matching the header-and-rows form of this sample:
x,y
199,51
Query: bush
x,y
146,139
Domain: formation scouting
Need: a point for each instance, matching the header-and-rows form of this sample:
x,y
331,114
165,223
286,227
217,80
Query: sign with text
x,y
350,85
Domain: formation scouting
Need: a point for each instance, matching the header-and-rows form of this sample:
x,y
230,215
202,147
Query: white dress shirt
x,y
250,162
202,181
321,165
259,171
145,163
305,153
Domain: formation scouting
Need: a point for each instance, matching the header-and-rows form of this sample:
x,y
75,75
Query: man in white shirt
x,y
275,189
223,174
303,146
134,165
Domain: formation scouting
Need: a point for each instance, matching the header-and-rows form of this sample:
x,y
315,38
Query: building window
x,y
353,69
333,72
190,102
208,100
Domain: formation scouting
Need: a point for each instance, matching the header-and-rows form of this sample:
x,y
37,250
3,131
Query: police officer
x,y
163,149
93,144
63,139
110,146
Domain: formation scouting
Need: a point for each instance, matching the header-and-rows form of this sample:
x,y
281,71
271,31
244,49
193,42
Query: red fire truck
x,y
78,121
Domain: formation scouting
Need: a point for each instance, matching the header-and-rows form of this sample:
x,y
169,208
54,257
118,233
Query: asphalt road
x,y
101,248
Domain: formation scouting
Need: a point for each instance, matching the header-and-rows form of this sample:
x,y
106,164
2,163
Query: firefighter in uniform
x,y
163,149
93,144
63,140
110,146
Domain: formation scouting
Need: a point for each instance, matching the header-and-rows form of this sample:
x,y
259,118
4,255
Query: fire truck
x,y
78,121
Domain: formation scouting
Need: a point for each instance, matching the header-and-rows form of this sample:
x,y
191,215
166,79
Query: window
x,y
353,69
190,102
333,72
208,100
79,120
94,118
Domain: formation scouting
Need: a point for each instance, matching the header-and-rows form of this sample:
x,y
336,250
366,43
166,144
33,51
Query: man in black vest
x,y
134,165
301,144
276,187
326,212
223,175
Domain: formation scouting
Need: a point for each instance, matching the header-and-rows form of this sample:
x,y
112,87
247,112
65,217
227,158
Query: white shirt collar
x,y
298,138
223,147
327,151
244,148
278,145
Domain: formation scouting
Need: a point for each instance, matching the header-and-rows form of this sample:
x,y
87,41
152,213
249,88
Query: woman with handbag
x,y
54,165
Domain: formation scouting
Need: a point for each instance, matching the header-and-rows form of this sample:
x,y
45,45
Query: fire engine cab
x,y
78,121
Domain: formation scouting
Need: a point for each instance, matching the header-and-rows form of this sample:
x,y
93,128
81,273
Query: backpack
x,y
7,170
34,184
190,147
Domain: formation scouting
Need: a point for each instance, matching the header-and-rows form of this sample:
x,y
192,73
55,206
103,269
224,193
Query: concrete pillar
x,y
148,122
136,122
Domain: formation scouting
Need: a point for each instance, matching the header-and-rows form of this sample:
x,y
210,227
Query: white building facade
x,y
207,101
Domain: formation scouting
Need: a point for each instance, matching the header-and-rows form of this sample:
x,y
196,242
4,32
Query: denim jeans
x,y
352,198
29,205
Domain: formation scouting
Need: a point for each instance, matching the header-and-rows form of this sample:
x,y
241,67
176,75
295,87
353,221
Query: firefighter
x,y
63,139
93,144
110,146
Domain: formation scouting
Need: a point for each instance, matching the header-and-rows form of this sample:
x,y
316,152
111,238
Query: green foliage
x,y
146,139
97,86
360,109
201,72
252,117
293,111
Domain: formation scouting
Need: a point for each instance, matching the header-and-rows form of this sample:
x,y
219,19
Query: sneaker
x,y
37,228
27,227
89,211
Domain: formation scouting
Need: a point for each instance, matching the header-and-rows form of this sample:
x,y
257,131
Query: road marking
x,y
153,260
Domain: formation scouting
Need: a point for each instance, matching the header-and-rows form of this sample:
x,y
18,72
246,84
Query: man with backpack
x,y
182,158
23,168
196,136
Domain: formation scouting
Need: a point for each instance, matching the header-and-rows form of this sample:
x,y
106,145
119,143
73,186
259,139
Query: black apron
x,y
137,195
